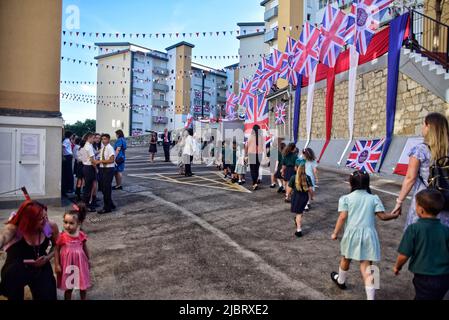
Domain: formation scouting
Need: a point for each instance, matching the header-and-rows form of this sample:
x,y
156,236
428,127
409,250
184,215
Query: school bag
x,y
439,179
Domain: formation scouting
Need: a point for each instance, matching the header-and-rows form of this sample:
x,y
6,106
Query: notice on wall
x,y
30,144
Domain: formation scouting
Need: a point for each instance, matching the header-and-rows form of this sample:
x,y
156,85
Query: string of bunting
x,y
157,35
206,57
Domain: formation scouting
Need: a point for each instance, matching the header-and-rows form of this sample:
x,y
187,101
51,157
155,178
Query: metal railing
x,y
430,38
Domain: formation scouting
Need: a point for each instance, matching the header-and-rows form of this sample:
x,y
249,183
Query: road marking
x,y
384,191
166,178
261,264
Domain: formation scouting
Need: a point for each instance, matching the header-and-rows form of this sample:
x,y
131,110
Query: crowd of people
x,y
31,241
95,163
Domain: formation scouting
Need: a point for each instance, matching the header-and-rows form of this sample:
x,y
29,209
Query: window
x,y
123,91
113,124
309,17
162,97
123,73
118,124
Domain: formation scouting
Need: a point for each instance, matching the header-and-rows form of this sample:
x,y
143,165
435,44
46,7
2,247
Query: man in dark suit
x,y
166,143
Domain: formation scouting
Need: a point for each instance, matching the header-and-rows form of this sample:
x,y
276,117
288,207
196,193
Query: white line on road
x,y
262,265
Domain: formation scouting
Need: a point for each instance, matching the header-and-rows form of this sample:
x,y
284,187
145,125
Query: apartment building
x,y
30,118
157,89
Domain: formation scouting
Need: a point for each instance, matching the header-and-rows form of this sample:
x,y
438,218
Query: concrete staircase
x,y
426,72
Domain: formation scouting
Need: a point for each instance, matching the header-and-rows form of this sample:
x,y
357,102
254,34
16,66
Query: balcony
x,y
161,87
160,103
222,87
160,71
271,35
272,13
160,120
139,84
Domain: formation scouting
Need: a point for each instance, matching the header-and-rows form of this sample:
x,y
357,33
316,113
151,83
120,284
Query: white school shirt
x,y
76,149
108,153
67,151
188,147
89,152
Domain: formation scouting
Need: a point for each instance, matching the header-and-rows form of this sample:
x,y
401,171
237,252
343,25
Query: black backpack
x,y
439,179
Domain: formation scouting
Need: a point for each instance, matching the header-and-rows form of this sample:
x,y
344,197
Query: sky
x,y
147,16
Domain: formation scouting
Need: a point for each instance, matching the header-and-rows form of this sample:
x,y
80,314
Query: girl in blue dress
x,y
120,158
360,241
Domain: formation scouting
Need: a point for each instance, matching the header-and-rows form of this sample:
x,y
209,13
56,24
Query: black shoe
x,y
117,188
298,234
113,207
273,186
280,189
92,210
334,277
283,191
104,211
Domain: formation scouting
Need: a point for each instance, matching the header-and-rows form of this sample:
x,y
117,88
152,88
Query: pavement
x,y
202,237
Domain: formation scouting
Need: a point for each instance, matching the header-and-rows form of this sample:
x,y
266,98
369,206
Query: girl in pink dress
x,y
72,256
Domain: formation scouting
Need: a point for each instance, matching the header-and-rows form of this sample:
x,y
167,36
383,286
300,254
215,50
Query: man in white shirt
x,y
67,158
188,151
90,175
107,166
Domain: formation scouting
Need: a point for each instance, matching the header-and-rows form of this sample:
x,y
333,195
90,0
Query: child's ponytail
x,y
301,179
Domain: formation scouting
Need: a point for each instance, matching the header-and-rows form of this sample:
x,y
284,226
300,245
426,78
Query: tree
x,y
81,128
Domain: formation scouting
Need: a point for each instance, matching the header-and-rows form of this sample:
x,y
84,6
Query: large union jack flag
x,y
189,122
333,33
273,67
365,155
280,114
287,71
307,55
231,105
246,91
256,113
365,18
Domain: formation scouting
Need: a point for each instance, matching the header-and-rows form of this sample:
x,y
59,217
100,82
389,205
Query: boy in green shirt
x,y
426,244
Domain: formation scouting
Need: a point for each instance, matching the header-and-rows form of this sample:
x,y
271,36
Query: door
x,y
30,160
7,161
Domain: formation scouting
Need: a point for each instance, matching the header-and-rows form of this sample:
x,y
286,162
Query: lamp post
x,y
202,94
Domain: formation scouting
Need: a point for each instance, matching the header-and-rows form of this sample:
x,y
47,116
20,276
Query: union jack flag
x,y
231,104
307,55
256,113
246,91
287,72
333,33
273,67
365,155
280,114
365,19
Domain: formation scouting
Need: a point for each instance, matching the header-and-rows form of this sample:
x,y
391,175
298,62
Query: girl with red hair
x,y
26,239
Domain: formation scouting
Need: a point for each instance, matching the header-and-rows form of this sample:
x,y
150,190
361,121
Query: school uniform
x,y
426,243
107,174
89,173
300,198
289,162
360,241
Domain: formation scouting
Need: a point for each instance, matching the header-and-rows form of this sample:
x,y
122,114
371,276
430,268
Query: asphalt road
x,y
203,238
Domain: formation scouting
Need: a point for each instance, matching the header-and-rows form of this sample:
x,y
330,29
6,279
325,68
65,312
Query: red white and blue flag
x,y
365,155
273,67
189,122
246,91
333,33
287,72
365,19
256,113
280,114
231,106
307,52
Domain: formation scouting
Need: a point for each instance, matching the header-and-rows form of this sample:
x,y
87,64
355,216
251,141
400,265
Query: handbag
x,y
119,161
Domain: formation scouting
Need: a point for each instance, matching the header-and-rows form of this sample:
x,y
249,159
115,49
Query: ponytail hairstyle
x,y
301,177
29,216
359,180
79,211
438,136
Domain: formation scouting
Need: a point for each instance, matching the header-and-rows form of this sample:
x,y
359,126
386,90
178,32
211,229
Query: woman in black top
x,y
27,236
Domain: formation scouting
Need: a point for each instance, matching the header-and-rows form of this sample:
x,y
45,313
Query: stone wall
x,y
413,104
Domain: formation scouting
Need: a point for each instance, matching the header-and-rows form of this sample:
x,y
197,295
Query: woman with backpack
x,y
120,158
434,150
